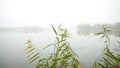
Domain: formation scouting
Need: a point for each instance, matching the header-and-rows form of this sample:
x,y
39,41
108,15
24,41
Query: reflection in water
x,y
87,29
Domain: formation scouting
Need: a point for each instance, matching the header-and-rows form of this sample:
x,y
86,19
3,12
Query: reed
x,y
109,58
63,55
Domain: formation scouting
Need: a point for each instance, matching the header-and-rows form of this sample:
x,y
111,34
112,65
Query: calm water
x,y
12,44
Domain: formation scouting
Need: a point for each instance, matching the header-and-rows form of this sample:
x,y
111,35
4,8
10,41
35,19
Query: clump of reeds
x,y
109,58
62,57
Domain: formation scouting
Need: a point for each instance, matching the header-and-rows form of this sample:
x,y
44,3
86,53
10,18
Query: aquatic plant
x,y
109,58
33,53
63,55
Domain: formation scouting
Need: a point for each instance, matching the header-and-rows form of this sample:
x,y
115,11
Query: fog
x,y
24,19
46,12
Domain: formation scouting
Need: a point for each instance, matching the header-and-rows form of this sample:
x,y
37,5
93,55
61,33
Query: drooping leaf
x,y
33,55
100,33
30,50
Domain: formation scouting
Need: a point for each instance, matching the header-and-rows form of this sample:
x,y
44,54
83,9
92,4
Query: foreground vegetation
x,y
109,58
63,55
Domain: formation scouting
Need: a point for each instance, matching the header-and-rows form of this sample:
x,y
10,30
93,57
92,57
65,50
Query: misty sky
x,y
68,12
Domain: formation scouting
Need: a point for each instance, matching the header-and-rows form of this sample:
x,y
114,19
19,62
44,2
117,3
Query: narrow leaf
x,y
54,30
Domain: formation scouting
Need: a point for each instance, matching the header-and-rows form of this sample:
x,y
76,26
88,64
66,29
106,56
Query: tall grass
x,y
109,58
62,57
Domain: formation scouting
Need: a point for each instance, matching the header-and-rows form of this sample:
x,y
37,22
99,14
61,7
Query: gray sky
x,y
69,12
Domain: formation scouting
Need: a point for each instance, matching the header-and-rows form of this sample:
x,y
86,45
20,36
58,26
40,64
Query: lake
x,y
85,43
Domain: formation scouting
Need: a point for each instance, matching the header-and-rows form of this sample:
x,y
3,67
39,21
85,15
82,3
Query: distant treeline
x,y
115,26
21,29
87,29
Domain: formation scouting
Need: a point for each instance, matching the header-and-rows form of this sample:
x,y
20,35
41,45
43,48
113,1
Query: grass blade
x,y
54,30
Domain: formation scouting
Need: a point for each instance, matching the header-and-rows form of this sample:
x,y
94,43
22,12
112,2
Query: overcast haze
x,y
46,12
17,17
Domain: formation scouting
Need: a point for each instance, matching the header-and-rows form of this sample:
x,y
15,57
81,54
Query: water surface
x,y
85,44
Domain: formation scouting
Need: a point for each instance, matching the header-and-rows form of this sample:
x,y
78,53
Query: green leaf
x,y
46,47
109,54
100,33
101,65
108,30
30,50
60,26
34,57
28,47
54,30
